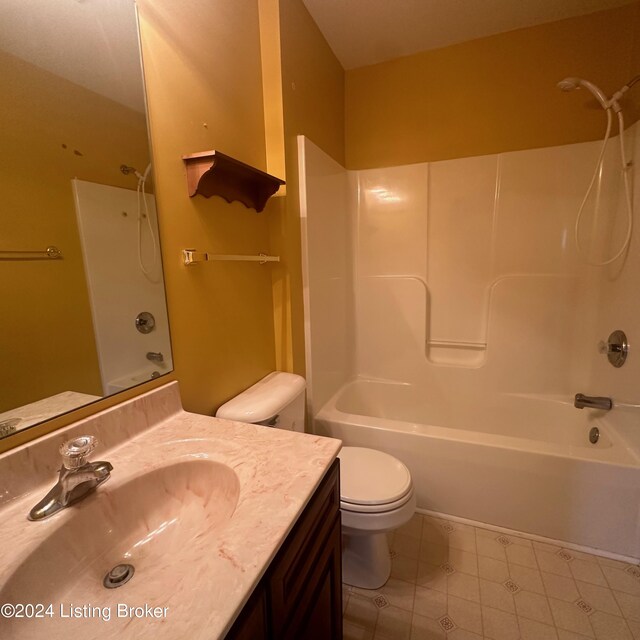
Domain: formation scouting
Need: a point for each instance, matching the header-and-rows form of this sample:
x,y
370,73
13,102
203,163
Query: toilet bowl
x,y
376,492
376,496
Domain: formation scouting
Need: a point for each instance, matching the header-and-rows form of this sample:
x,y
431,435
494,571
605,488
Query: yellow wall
x,y
47,344
204,88
313,103
492,94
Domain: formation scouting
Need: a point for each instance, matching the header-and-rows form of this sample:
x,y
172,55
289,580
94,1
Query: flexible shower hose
x,y
597,174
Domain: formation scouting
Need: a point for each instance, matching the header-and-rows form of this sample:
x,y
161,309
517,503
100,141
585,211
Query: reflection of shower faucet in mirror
x,y
100,212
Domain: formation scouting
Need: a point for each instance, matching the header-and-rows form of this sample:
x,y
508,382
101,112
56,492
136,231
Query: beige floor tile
x,y
399,593
423,628
566,615
600,598
630,605
485,533
494,570
431,576
620,580
609,627
430,603
406,546
463,634
393,623
464,561
365,593
532,630
489,547
499,625
527,579
413,528
545,546
404,568
551,563
563,634
465,614
521,542
610,562
465,540
460,526
433,553
463,585
354,632
361,612
560,587
635,629
433,532
581,555
494,595
517,554
585,571
533,606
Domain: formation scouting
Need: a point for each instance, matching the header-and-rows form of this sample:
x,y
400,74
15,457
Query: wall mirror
x,y
83,303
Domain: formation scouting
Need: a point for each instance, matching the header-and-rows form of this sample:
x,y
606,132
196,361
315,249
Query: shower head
x,y
569,84
127,170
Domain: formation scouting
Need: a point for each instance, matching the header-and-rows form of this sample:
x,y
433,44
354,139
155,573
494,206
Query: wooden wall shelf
x,y
212,173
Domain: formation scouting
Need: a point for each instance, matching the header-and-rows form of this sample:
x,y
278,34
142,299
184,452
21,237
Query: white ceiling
x,y
93,43
363,32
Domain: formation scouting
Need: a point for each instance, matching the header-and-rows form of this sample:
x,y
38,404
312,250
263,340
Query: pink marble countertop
x,y
198,505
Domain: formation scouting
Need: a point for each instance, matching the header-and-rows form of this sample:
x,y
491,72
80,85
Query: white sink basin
x,y
157,522
197,505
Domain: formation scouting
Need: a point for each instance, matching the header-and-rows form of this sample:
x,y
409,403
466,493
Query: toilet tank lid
x,y
264,399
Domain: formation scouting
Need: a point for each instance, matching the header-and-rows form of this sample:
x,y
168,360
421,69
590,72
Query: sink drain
x,y
594,435
119,575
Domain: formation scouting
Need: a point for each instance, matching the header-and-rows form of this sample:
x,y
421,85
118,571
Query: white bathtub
x,y
519,462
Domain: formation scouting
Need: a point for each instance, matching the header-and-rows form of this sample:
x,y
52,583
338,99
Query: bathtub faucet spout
x,y
592,402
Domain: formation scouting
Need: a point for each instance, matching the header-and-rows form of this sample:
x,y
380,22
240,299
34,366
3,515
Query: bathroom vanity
x,y
233,530
300,596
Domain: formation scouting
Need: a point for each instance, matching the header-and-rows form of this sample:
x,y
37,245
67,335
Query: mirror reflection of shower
x,y
609,105
142,204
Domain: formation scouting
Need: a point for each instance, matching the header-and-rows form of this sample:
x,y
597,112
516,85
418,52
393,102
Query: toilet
x,y
376,492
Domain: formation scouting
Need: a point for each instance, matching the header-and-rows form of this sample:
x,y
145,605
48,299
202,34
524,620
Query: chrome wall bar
x,y
50,253
191,256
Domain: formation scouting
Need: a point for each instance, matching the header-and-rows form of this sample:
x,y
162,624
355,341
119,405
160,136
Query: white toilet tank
x,y
275,401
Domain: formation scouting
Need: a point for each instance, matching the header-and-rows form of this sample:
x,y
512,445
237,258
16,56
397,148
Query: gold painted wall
x,y
47,344
492,94
204,88
313,105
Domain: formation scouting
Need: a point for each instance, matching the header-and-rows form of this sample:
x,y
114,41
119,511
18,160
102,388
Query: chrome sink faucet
x,y
77,477
592,402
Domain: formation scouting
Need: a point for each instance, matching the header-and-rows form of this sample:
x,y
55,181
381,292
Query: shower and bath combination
x,y
609,105
142,200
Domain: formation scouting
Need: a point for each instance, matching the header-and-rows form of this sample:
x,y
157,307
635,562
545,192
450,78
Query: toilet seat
x,y
372,481
376,508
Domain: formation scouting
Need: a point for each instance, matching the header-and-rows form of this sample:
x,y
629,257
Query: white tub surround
x,y
459,282
202,565
522,463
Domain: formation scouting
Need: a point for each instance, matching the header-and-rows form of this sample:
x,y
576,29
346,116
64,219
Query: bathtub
x,y
513,461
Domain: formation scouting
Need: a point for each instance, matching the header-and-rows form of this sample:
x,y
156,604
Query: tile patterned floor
x,y
451,581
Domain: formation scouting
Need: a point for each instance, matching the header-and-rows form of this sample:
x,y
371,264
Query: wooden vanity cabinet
x,y
300,596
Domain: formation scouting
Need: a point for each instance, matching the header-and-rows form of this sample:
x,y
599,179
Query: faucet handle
x,y
75,452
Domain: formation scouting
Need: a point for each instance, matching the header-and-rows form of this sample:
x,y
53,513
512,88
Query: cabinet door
x,y
319,614
291,572
252,621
